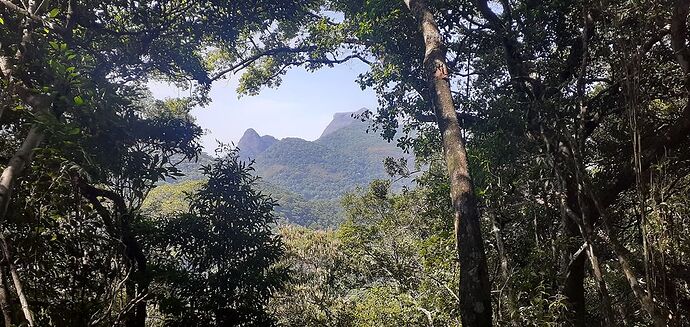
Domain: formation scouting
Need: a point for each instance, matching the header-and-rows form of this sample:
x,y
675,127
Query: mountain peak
x,y
251,144
341,120
250,132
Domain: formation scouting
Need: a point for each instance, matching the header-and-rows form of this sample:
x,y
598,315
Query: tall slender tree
x,y
475,290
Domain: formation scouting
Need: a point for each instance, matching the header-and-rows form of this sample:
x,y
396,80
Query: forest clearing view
x,y
486,163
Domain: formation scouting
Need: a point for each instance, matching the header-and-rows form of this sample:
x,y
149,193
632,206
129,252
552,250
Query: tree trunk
x,y
16,167
475,291
603,290
17,281
135,259
573,288
506,291
5,298
140,281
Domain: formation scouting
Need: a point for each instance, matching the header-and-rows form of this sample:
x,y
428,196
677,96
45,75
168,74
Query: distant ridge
x,y
341,120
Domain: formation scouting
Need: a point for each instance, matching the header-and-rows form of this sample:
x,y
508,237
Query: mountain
x,y
251,144
340,120
344,157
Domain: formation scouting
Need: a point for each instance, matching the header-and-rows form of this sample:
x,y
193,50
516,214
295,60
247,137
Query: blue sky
x,y
301,107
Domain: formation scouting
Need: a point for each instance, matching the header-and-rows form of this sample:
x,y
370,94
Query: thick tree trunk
x,y
475,291
573,288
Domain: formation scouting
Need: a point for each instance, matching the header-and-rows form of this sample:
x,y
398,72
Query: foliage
x,y
215,261
575,114
170,199
321,277
83,143
380,268
291,208
81,247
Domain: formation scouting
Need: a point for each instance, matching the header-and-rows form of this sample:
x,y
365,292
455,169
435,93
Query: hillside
x,y
344,157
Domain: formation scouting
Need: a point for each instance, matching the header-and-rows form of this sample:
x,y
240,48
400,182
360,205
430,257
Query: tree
x,y
403,245
79,208
475,291
574,110
389,264
571,117
216,261
322,277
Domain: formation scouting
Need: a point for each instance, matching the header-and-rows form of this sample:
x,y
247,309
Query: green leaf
x,y
2,21
53,13
78,100
74,131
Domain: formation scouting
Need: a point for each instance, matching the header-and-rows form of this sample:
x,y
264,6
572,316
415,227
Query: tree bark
x,y
140,281
573,288
475,291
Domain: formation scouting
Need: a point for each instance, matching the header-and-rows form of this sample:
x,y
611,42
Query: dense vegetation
x,y
553,136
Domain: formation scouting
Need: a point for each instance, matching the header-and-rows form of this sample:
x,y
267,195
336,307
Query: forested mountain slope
x,y
344,157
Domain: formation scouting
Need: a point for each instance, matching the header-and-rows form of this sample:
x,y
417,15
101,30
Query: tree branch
x,y
270,52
